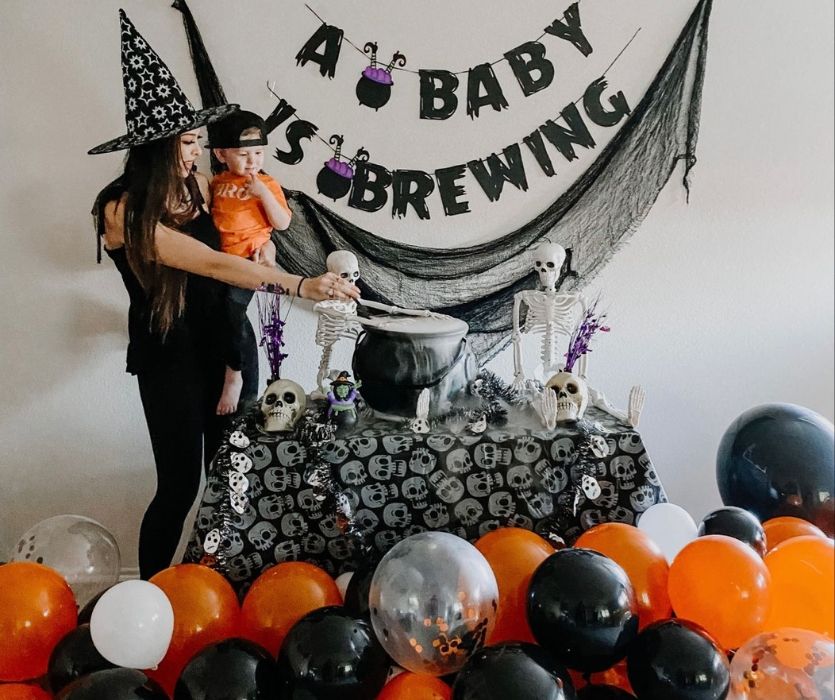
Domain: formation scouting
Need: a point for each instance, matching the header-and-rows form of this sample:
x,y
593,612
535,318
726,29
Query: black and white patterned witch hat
x,y
155,105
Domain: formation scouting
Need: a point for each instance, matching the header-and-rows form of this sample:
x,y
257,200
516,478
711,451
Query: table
x,y
262,505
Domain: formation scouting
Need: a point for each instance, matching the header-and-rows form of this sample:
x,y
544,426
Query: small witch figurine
x,y
342,410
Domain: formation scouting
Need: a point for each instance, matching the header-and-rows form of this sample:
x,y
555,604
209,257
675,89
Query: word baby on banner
x,y
438,88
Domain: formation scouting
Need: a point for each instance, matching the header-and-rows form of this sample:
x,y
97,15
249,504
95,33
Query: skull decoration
x,y
282,405
548,259
345,264
572,396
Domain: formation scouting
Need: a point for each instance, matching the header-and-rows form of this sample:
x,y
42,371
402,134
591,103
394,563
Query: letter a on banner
x,y
331,37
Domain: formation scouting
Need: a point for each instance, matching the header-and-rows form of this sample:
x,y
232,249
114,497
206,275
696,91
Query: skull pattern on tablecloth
x,y
258,508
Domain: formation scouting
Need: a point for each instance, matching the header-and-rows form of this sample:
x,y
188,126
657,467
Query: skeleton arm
x,y
632,417
518,370
397,310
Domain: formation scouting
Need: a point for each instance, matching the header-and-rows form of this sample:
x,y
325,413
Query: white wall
x,y
716,306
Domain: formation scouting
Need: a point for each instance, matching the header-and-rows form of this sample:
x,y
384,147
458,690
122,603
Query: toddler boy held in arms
x,y
247,205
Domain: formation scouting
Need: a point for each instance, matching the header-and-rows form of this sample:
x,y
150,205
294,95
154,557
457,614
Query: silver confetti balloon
x,y
433,602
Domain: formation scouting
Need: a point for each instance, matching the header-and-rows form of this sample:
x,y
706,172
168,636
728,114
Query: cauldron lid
x,y
417,326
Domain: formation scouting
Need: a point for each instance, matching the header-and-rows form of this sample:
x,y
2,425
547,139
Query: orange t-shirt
x,y
240,217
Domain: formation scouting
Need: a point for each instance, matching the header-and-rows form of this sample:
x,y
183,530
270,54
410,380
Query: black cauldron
x,y
397,357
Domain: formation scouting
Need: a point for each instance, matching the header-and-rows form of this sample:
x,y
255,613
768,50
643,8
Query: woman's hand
x,y
329,286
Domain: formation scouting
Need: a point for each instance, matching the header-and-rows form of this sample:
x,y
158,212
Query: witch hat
x,y
155,105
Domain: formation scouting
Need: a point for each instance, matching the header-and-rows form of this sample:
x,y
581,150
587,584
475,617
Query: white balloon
x,y
342,582
132,624
669,526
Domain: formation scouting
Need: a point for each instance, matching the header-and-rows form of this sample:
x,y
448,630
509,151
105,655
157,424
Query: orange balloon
x,y
206,610
37,609
21,691
641,559
513,554
280,597
616,676
414,686
780,529
721,583
803,584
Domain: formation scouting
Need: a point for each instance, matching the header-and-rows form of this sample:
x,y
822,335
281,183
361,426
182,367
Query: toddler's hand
x,y
265,255
256,187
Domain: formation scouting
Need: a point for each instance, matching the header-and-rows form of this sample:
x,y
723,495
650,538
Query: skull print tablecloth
x,y
261,505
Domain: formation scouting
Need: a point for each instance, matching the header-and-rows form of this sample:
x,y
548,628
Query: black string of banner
x,y
409,70
271,84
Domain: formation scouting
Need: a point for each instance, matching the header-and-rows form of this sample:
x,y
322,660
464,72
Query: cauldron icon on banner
x,y
334,180
374,87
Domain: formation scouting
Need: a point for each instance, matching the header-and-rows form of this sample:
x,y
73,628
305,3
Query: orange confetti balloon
x,y
780,529
803,584
513,554
721,584
37,609
21,691
413,686
280,597
641,559
206,610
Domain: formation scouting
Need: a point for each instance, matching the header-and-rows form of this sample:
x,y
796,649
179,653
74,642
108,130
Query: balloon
x,y
206,610
113,684
604,692
582,608
73,657
414,686
232,668
280,597
21,691
790,664
669,526
779,459
513,670
329,655
78,548
779,530
37,609
615,676
802,584
737,523
676,660
342,582
513,554
722,585
86,612
356,594
641,559
433,600
132,624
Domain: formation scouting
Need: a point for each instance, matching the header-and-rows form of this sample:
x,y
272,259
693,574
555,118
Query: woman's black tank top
x,y
197,334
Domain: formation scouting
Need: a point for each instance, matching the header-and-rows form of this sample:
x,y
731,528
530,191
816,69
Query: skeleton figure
x,y
549,313
282,405
339,319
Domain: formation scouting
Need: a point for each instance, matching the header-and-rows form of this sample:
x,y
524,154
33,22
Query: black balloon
x,y
113,684
356,594
779,459
676,660
513,670
86,612
603,692
73,657
329,654
737,523
233,668
581,606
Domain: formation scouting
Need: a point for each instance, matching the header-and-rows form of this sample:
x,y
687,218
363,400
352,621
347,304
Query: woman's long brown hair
x,y
155,193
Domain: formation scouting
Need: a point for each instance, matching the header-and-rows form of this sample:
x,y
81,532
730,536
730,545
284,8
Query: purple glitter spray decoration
x,y
272,329
581,338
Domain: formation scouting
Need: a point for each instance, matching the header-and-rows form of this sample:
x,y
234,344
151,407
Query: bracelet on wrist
x,y
299,288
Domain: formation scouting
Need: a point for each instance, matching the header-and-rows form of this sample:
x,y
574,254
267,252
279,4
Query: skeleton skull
x,y
548,259
282,405
572,396
344,263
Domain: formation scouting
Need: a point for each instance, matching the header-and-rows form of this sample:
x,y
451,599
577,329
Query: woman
x,y
157,229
